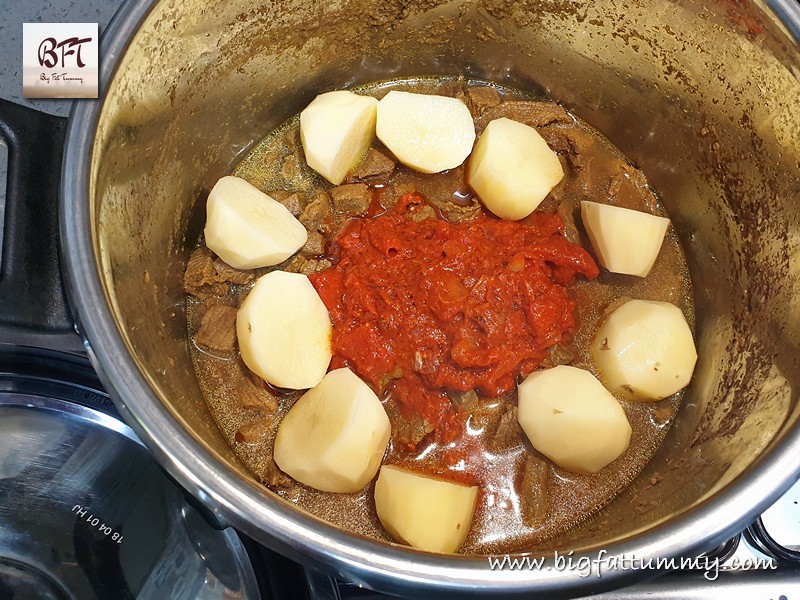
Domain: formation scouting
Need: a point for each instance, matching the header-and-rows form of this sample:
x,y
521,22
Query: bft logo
x,y
59,60
48,57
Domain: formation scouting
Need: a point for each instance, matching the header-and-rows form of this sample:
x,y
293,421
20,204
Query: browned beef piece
x,y
291,167
532,490
317,215
307,266
568,211
629,189
200,278
452,89
375,164
558,355
571,142
479,98
314,246
295,202
464,401
218,328
227,274
408,429
419,210
274,478
206,275
255,431
252,394
279,195
439,193
352,199
458,213
534,114
421,213
506,433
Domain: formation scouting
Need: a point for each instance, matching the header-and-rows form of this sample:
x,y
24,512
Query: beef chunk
x,y
568,211
218,328
465,401
421,213
317,215
458,213
452,89
314,246
572,143
506,433
200,278
352,199
252,394
375,164
294,202
274,478
206,275
629,189
255,431
290,168
532,490
534,114
227,274
482,97
419,210
558,355
408,428
307,266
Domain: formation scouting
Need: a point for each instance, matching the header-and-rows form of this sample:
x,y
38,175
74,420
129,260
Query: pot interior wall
x,y
703,97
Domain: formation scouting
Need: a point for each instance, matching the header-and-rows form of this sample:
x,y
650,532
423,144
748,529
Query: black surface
x,y
33,306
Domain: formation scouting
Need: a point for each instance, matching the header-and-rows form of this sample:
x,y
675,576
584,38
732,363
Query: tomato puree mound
x,y
422,306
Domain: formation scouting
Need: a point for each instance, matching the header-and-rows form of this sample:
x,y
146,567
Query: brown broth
x,y
601,174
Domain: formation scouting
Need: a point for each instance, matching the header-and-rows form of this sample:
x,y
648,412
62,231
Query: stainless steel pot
x,y
704,96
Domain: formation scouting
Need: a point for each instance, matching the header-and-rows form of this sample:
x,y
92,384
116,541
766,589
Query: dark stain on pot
x,y
524,498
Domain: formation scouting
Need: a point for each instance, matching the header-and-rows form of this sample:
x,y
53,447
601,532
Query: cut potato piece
x,y
248,229
644,350
334,437
625,241
572,419
422,511
512,169
284,331
335,130
427,133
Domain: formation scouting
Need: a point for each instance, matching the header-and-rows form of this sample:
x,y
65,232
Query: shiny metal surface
x,y
85,512
782,520
703,96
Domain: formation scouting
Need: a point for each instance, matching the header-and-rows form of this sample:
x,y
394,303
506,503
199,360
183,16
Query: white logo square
x,y
60,60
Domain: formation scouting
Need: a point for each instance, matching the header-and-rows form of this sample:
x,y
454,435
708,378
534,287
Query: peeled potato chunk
x,y
428,133
572,419
335,130
626,241
512,169
334,437
422,511
645,350
248,229
284,331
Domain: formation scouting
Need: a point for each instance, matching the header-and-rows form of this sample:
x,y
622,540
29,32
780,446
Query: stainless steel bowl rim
x,y
390,568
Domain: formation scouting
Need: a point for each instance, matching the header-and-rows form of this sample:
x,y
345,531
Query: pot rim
x,y
239,503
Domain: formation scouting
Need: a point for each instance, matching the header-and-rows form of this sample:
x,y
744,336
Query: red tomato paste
x,y
420,307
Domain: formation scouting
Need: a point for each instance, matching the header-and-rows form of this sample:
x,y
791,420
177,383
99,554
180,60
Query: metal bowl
x,y
703,96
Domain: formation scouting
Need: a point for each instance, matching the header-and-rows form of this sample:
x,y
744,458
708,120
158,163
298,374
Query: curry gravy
x,y
524,499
